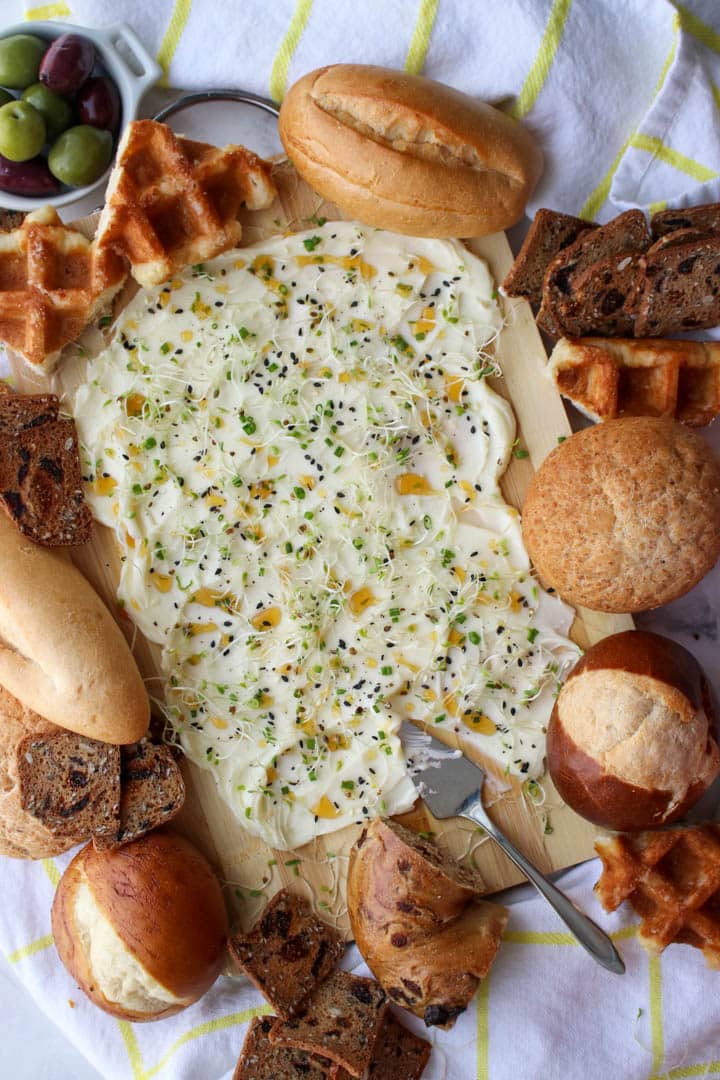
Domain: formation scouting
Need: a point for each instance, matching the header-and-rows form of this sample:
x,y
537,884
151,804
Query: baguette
x,y
404,153
61,653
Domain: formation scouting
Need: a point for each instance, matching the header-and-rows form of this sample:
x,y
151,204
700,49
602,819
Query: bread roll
x,y
632,741
625,516
22,835
418,922
404,153
61,652
141,929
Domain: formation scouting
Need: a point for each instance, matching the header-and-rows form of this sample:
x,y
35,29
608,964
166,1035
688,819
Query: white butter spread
x,y
299,452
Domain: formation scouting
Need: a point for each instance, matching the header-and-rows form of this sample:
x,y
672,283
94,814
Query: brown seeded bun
x,y
22,835
632,738
402,152
142,929
625,516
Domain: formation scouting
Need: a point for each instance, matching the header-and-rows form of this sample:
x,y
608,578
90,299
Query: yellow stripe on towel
x,y
672,157
543,61
700,30
420,41
288,45
30,950
169,44
48,11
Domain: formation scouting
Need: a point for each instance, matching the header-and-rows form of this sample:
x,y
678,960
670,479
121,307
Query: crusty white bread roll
x,y
61,653
405,153
142,929
418,923
632,741
22,835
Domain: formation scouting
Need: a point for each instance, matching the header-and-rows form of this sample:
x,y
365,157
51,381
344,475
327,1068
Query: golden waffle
x,y
53,281
607,377
672,880
172,203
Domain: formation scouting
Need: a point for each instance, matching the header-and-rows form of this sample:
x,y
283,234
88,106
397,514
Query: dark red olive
x,y
98,104
27,177
67,63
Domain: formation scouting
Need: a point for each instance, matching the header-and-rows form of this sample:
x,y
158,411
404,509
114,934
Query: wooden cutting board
x,y
550,834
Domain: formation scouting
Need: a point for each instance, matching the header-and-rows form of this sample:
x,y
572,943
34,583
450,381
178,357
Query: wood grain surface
x,y
550,834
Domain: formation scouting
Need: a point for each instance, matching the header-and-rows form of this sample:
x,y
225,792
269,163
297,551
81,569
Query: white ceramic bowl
x,y
127,63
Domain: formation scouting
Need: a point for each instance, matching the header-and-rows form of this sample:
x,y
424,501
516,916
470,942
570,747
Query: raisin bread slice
x,y
288,952
399,1055
681,288
70,783
261,1060
21,411
550,233
625,235
705,217
152,793
606,298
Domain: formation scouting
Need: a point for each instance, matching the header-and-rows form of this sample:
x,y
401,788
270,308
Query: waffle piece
x,y
261,1060
550,233
631,377
672,879
53,281
341,1021
288,952
41,484
706,218
626,235
681,287
171,202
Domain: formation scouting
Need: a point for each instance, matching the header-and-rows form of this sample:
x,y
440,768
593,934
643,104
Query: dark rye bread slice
x,y
261,1060
706,218
21,411
340,1021
70,783
627,234
681,288
606,298
41,484
152,792
399,1055
550,233
288,952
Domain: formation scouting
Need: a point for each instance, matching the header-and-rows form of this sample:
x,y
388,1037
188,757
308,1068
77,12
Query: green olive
x,y
22,131
80,155
55,111
20,56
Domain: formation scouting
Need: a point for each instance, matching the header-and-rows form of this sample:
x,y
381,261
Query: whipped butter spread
x,y
299,453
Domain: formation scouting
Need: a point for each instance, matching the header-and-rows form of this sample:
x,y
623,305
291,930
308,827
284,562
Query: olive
x,y
55,111
22,131
5,96
98,103
20,56
80,155
27,177
67,63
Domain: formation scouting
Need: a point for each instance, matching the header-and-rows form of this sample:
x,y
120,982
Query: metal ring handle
x,y
200,96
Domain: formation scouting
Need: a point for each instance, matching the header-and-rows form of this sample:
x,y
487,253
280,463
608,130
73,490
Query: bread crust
x,y
165,904
401,152
588,786
427,940
625,516
61,652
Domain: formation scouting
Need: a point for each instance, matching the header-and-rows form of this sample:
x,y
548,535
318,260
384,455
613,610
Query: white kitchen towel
x,y
546,1010
622,94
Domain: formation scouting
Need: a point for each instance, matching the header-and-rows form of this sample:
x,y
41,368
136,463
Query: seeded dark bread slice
x,y
41,484
288,952
399,1055
21,411
627,234
681,288
262,1060
606,298
70,783
341,1021
550,233
705,217
152,792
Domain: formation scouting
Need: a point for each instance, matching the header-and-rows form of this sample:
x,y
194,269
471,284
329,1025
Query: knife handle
x,y
594,940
